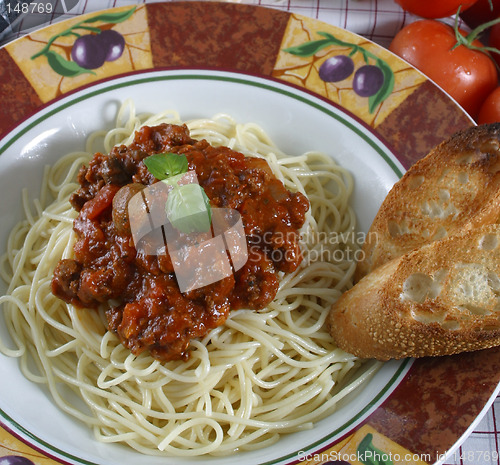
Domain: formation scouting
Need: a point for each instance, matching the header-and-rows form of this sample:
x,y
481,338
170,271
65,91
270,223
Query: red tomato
x,y
467,75
481,12
434,8
490,109
494,41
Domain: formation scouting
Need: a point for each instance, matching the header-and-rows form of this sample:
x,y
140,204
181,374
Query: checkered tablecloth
x,y
377,20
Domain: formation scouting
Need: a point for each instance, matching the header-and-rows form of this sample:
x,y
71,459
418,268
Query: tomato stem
x,y
478,30
467,40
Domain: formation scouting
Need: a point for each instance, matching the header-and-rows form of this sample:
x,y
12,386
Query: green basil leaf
x,y
387,87
308,49
188,208
111,17
164,165
64,67
173,180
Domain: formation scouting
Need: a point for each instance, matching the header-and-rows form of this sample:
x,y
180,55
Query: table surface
x,y
377,20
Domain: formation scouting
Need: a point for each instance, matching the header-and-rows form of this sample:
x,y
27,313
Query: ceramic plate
x,y
259,65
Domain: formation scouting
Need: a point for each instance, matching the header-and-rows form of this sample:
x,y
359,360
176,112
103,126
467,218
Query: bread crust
x,y
441,299
456,187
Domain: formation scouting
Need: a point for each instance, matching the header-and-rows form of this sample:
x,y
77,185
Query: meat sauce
x,y
145,306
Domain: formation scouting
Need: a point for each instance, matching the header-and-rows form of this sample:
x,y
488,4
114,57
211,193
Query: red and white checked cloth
x,y
377,20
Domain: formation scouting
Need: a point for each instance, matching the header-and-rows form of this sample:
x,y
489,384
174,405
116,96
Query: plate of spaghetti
x,y
176,226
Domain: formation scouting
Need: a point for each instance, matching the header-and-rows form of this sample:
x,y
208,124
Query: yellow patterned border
x,y
49,85
304,71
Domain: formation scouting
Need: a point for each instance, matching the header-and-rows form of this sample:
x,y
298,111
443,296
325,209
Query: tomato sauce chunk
x,y
140,293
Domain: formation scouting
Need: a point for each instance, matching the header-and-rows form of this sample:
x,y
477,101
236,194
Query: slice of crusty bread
x,y
455,187
440,299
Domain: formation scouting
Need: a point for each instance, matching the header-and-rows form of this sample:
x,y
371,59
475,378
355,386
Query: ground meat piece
x,y
256,283
66,280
